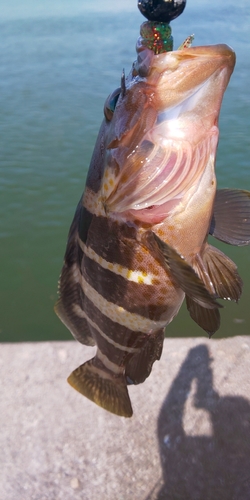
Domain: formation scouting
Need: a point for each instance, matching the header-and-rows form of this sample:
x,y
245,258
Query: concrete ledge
x,y
189,437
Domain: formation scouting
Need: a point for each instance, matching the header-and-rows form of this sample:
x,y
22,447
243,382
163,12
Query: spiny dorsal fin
x,y
77,326
70,298
231,217
182,273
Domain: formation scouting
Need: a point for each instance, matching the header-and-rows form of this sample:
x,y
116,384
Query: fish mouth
x,y
188,104
180,74
170,153
195,115
190,92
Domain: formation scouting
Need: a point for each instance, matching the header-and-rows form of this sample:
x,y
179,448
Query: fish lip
x,y
188,102
220,52
220,49
159,67
175,111
176,75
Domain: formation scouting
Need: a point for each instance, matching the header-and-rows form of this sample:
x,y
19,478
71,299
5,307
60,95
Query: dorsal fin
x,y
70,296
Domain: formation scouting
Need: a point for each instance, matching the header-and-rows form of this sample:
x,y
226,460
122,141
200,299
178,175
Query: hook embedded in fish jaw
x,y
123,84
187,42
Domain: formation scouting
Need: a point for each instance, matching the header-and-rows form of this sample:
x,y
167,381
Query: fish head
x,y
162,130
191,87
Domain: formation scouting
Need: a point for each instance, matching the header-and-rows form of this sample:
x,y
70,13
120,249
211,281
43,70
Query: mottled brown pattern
x,y
123,292
119,245
146,294
85,220
139,257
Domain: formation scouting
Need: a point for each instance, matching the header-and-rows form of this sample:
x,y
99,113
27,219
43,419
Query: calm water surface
x,y
57,65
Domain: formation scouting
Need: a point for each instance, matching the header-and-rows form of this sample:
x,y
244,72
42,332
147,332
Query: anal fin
x,y
221,277
140,365
207,319
100,386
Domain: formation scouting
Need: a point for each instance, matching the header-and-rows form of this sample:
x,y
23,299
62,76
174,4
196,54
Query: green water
x,y
57,65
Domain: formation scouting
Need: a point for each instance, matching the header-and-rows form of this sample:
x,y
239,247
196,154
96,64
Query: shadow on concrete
x,y
203,462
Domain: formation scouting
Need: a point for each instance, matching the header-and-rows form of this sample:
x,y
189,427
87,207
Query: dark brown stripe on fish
x,y
97,164
72,249
134,297
110,349
123,248
117,333
85,218
121,237
80,225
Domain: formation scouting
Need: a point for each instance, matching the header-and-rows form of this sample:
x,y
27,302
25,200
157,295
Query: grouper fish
x,y
137,246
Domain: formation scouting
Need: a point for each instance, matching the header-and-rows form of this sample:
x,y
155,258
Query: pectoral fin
x,y
182,273
231,217
207,319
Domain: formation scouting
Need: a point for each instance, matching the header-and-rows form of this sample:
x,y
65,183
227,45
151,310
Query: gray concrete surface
x,y
189,437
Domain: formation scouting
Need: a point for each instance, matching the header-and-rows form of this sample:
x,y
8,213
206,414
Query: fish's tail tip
x,y
109,393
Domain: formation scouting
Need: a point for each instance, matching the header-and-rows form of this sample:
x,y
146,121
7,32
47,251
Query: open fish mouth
x,y
170,140
189,103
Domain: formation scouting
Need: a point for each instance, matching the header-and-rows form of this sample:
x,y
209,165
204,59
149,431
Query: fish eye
x,y
110,104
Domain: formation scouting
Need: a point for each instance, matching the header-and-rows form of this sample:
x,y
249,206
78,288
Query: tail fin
x,y
100,386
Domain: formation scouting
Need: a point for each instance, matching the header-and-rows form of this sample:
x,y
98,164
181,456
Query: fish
x,y
138,244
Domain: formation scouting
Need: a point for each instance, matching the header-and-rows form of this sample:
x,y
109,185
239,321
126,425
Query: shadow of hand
x,y
206,457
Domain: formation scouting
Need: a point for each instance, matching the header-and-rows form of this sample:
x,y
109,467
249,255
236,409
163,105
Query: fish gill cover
x,y
137,246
